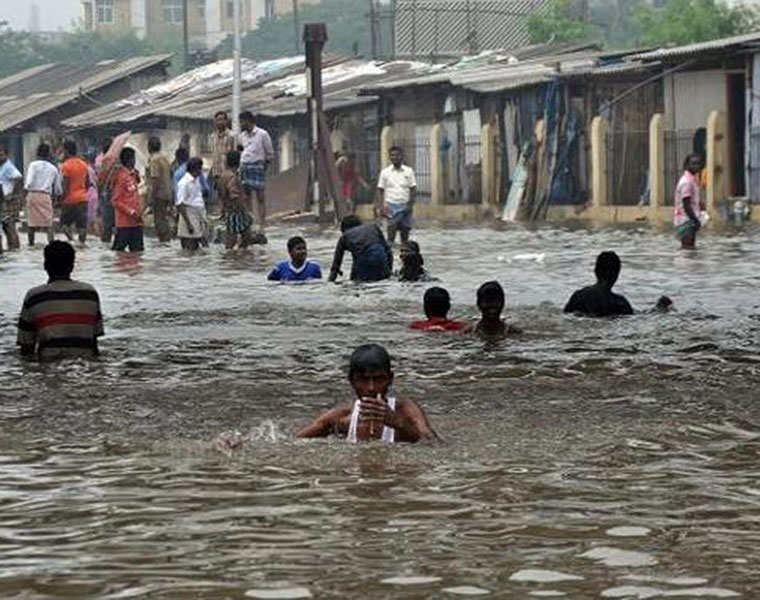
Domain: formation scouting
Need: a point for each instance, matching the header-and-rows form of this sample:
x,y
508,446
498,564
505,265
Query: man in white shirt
x,y
12,184
255,144
396,191
191,206
43,183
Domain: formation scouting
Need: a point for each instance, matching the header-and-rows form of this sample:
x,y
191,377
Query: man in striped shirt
x,y
62,318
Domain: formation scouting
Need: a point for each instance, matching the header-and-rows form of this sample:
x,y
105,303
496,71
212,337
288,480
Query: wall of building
x,y
158,27
122,17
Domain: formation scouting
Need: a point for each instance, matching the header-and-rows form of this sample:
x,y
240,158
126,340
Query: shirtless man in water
x,y
375,414
491,302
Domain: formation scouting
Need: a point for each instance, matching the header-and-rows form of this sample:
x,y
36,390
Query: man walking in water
x,y
12,183
62,318
191,207
257,153
372,256
396,190
159,193
376,414
126,205
75,174
687,203
598,300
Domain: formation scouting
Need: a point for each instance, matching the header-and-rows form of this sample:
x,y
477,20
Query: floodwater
x,y
585,459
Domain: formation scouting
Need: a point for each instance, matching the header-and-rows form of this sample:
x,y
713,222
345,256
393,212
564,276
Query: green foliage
x,y
689,21
630,23
347,27
562,24
21,50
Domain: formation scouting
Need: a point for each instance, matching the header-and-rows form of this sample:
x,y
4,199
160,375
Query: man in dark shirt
x,y
61,319
598,300
372,256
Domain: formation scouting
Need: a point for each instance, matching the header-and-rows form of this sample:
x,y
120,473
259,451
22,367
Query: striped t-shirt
x,y
61,319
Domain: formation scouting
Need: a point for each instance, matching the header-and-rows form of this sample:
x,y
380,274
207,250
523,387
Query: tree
x,y
347,29
21,50
564,23
688,21
629,23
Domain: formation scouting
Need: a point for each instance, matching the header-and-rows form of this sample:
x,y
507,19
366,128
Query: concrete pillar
x,y
717,161
488,165
436,165
387,140
287,151
656,167
599,162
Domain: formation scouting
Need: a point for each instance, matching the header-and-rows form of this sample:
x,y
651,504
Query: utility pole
x,y
314,37
372,29
237,75
296,27
185,37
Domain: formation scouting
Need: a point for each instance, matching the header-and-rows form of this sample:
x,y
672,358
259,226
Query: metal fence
x,y
423,169
627,167
678,145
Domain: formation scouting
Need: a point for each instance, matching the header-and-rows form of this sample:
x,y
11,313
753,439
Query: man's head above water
x,y
59,260
607,268
298,251
370,371
491,300
437,303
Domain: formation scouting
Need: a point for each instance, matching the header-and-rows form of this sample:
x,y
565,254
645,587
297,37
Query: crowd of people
x,y
63,318
100,193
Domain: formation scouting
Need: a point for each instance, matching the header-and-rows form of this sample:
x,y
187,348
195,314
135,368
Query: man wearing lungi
x,y
255,144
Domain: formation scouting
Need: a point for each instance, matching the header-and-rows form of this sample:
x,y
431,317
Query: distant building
x,y
433,28
209,21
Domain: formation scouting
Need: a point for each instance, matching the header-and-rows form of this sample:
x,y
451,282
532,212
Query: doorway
x,y
737,132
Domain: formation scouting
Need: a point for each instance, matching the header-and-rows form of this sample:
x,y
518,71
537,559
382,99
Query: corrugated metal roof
x,y
425,27
38,90
280,92
496,71
748,39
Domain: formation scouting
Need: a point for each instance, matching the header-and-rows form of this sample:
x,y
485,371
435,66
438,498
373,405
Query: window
x,y
202,9
104,12
172,11
230,9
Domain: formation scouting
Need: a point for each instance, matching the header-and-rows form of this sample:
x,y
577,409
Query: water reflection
x,y
613,459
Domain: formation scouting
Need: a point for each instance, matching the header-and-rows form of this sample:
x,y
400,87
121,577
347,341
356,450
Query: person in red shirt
x,y
437,305
126,203
76,180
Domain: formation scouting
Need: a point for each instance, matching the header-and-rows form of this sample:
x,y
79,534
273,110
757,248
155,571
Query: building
x,y
35,101
435,28
209,21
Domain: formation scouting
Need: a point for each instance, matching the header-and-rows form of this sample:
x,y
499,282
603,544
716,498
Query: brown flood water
x,y
585,459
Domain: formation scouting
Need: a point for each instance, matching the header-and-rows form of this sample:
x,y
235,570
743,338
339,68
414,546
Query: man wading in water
x,y
375,414
687,204
491,302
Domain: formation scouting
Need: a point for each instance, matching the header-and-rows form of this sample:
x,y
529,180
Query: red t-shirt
x,y
75,171
438,324
126,199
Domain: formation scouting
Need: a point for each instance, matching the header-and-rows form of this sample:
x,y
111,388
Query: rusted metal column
x,y
314,37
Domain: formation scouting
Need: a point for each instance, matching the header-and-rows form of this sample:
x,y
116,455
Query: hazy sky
x,y
54,14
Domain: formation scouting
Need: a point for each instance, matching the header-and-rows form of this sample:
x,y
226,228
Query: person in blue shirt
x,y
299,267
